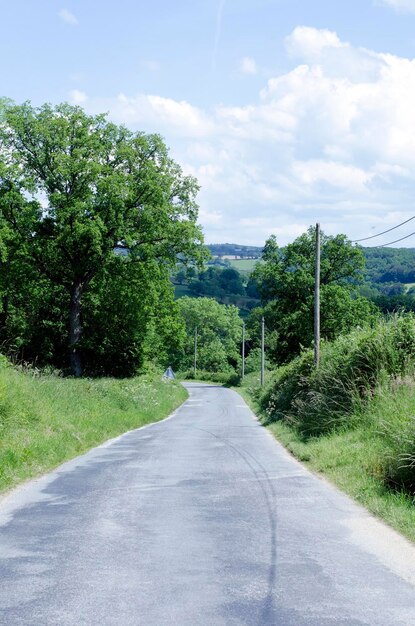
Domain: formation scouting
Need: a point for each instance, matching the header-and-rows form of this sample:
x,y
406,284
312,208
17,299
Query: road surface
x,y
200,520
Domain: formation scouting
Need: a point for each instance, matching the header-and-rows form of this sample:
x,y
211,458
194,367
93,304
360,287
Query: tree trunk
x,y
75,328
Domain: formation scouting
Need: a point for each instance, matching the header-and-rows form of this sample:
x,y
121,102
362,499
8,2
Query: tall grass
x,y
317,401
353,419
45,420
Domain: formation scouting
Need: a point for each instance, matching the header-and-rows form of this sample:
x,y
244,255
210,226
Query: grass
x,y
46,420
244,265
367,457
354,460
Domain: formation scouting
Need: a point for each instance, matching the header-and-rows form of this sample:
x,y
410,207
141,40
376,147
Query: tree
x,y
74,187
285,281
219,330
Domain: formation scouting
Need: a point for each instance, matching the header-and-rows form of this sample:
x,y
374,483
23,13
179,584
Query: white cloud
x,y
402,6
308,42
331,140
68,17
248,66
78,97
346,177
159,114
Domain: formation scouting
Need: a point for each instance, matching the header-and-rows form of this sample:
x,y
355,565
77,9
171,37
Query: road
x,y
200,520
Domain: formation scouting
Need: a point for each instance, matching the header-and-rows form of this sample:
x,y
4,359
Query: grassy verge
x,y
45,420
360,459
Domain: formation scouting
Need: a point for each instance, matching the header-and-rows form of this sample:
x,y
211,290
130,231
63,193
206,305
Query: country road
x,y
200,520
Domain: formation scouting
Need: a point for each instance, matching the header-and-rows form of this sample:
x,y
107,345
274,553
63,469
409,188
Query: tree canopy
x,y
76,188
219,329
285,281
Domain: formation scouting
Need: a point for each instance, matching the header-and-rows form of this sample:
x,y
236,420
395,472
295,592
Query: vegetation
x,y
74,190
390,265
219,332
45,419
235,249
352,418
222,282
285,281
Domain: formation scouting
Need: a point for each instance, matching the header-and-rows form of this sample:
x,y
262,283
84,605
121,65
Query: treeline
x,y
234,249
390,265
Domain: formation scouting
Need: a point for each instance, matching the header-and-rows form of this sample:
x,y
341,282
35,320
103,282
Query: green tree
x,y
285,281
219,334
73,187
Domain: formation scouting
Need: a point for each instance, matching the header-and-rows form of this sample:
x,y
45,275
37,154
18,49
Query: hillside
x,y
235,250
389,277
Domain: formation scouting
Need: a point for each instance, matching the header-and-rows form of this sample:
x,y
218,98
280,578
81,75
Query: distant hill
x,y
385,265
235,250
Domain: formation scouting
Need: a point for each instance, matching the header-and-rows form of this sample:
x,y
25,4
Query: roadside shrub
x,y
351,368
229,378
393,413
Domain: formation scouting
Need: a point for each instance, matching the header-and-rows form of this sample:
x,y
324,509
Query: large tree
x,y
285,281
75,187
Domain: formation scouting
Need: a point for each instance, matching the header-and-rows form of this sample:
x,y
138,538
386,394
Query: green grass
x,y
354,461
367,458
244,265
45,420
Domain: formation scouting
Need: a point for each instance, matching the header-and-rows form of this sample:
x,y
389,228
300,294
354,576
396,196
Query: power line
x,y
396,241
384,233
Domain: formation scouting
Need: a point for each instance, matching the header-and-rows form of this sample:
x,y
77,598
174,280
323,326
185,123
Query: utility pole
x,y
262,350
195,357
317,300
243,351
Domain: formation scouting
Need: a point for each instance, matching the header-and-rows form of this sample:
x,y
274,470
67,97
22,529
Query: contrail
x,y
217,34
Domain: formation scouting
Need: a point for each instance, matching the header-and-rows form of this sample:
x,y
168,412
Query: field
x,y
244,265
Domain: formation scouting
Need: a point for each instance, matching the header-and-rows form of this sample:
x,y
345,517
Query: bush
x,y
230,378
319,400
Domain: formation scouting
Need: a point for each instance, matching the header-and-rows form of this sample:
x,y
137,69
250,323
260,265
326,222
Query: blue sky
x,y
287,111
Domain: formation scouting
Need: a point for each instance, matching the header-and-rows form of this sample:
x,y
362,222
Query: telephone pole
x,y
243,351
317,300
195,356
262,350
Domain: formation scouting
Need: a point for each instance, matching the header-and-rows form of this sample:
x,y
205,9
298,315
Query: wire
x,y
396,241
384,232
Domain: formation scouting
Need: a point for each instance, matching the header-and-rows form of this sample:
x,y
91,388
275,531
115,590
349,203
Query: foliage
x,y
46,419
102,188
285,281
219,333
230,378
316,401
217,283
234,249
130,318
389,265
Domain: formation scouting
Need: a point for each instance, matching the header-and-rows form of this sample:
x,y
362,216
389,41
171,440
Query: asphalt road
x,y
200,520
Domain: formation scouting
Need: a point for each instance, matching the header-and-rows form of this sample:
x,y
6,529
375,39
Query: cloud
x,y
78,97
159,114
68,17
248,66
309,42
330,140
402,6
